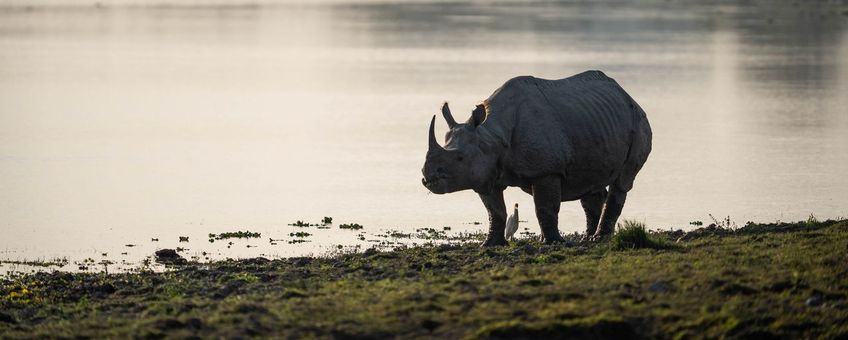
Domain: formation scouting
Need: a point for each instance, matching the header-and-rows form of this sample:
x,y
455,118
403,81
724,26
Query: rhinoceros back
x,y
581,127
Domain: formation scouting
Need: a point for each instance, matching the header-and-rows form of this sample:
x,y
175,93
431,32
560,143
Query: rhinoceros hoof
x,y
554,240
491,242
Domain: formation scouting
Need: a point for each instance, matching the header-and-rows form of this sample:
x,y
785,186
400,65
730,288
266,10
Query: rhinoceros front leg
x,y
494,203
547,194
611,212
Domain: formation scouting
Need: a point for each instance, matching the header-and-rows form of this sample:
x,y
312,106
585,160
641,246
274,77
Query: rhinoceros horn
x,y
448,116
434,145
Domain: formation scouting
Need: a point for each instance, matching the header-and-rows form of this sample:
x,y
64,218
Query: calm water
x,y
122,123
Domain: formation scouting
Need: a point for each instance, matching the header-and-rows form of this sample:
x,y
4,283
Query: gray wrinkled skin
x,y
581,137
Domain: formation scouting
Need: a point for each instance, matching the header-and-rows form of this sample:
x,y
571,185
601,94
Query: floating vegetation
x,y
56,262
302,224
129,245
446,228
474,223
300,234
698,223
394,234
431,234
325,223
154,240
237,234
297,241
351,226
183,238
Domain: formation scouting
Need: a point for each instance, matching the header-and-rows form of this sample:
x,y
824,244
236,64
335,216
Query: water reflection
x,y
123,123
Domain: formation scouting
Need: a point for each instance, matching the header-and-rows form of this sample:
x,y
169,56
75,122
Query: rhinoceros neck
x,y
491,139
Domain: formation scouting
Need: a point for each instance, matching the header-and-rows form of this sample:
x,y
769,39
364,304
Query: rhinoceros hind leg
x,y
547,192
593,204
612,209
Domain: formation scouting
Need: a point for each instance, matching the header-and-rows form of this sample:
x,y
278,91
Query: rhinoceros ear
x,y
448,116
478,115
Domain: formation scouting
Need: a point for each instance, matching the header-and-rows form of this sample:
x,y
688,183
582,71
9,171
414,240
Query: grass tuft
x,y
633,235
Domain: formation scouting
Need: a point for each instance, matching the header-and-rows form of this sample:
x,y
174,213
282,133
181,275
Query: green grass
x,y
762,280
633,235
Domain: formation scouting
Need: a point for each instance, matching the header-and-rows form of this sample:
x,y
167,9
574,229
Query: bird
x,y
511,224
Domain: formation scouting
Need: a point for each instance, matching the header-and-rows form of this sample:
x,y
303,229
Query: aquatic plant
x,y
351,226
237,234
55,262
302,224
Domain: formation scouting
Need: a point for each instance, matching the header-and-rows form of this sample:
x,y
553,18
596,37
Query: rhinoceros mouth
x,y
434,184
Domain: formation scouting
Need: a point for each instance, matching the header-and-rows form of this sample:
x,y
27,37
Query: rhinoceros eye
x,y
459,158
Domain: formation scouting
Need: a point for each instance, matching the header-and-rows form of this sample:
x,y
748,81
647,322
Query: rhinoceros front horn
x,y
448,116
434,145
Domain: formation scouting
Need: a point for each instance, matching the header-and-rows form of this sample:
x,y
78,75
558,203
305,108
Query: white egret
x,y
511,224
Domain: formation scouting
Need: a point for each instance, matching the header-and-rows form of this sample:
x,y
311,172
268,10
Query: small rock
x,y
660,286
430,325
814,301
168,324
194,323
106,288
6,318
169,256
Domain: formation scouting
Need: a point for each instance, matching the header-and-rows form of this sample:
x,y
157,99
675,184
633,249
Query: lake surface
x,y
127,121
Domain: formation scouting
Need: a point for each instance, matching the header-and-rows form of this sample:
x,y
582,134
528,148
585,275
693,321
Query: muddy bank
x,y
784,280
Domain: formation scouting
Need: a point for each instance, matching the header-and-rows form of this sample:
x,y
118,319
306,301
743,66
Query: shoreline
x,y
784,280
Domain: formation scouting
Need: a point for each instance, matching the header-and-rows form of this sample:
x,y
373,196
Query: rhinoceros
x,y
581,137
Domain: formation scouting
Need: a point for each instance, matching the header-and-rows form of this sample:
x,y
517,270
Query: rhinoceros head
x,y
463,162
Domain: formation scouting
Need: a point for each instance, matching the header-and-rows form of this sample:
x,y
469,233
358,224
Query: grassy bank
x,y
786,280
